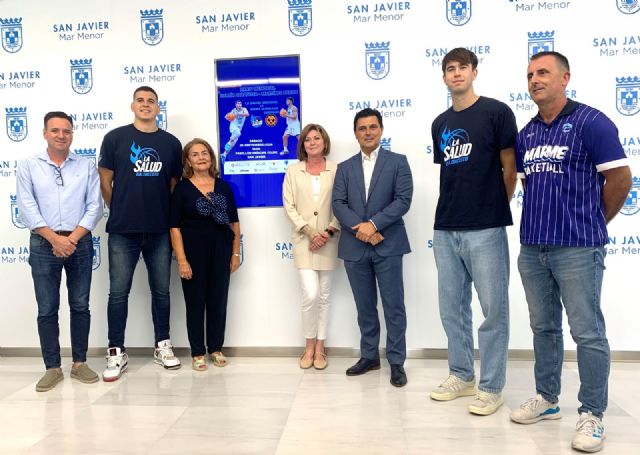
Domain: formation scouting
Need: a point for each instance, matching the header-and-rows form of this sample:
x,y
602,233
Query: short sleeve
x,y
507,127
437,153
601,139
177,160
107,150
232,209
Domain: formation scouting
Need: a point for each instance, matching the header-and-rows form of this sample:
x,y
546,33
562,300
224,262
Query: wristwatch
x,y
329,231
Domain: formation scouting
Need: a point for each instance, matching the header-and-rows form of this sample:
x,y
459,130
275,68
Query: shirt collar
x,y
372,156
566,110
44,156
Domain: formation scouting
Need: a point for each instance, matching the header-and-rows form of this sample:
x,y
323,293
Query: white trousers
x,y
316,286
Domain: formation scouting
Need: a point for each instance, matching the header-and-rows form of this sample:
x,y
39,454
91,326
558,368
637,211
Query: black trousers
x,y
208,252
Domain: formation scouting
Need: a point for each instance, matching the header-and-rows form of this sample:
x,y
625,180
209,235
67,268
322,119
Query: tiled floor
x,y
270,406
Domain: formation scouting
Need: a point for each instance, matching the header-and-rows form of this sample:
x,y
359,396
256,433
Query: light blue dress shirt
x,y
60,198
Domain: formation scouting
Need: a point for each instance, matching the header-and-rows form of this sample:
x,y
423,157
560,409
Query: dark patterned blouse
x,y
192,209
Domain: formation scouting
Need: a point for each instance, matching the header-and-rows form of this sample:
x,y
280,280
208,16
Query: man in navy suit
x,y
371,192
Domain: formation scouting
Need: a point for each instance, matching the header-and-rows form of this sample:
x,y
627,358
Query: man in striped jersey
x,y
576,179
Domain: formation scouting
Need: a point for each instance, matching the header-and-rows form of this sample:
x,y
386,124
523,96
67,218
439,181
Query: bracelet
x,y
329,231
236,254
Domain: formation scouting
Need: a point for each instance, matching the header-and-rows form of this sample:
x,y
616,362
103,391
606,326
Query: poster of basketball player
x,y
259,114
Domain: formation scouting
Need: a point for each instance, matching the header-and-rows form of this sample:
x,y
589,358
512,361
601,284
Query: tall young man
x,y
474,146
139,166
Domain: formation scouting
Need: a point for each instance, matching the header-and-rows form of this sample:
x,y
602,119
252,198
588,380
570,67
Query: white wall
x,y
264,295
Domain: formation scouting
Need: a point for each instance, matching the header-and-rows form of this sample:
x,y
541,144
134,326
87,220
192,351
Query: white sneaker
x,y
485,403
534,410
589,433
117,362
453,387
284,152
164,356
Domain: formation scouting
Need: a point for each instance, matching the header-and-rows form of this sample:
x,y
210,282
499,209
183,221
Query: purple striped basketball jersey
x,y
561,164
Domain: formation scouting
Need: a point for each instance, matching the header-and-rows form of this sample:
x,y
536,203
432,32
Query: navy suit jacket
x,y
390,194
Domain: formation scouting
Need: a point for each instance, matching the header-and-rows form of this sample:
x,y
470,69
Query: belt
x,y
64,233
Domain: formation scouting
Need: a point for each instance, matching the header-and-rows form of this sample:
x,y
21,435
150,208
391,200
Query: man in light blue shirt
x,y
59,201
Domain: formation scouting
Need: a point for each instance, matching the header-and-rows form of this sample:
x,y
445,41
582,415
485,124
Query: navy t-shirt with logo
x,y
467,146
143,165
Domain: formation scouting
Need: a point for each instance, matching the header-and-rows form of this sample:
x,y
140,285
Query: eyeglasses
x,y
59,179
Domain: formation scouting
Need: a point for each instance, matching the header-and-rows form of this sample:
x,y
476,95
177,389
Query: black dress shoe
x,y
398,376
362,366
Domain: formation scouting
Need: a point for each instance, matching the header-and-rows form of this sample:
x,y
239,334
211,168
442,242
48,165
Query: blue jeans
x,y
553,276
124,253
46,270
481,257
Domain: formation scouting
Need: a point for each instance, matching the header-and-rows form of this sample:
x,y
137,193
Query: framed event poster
x,y
258,114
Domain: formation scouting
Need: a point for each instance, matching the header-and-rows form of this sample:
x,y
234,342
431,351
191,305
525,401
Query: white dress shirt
x,y
368,163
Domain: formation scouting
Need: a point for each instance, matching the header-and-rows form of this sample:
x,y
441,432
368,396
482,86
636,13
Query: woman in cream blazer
x,y
306,194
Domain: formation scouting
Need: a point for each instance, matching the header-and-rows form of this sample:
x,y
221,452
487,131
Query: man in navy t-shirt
x,y
473,144
576,179
139,166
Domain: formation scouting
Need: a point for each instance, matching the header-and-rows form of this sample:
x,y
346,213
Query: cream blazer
x,y
297,197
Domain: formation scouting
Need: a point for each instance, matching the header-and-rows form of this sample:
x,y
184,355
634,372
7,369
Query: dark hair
x,y
367,112
144,88
461,55
561,59
290,98
302,153
56,114
187,171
